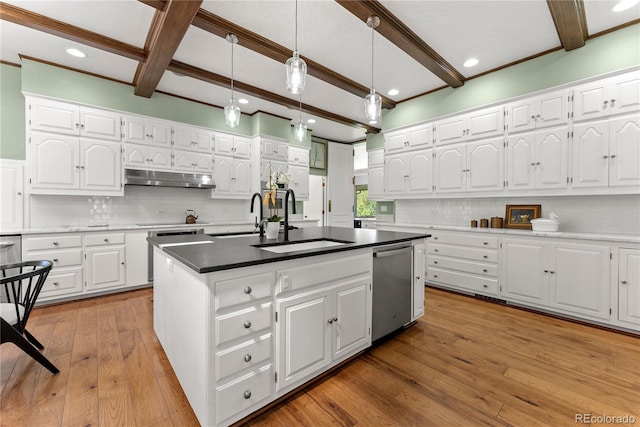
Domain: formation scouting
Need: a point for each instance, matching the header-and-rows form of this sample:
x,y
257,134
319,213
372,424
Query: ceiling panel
x,y
600,17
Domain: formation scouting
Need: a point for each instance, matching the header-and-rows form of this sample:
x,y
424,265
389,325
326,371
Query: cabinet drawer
x,y
62,258
465,281
52,242
104,239
483,269
243,290
243,323
464,239
243,356
62,282
485,255
243,393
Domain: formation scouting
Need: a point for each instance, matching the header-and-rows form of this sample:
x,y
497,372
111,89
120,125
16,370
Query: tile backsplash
x,y
611,214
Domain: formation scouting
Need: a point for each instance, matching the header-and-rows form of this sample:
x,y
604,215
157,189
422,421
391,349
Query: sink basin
x,y
303,245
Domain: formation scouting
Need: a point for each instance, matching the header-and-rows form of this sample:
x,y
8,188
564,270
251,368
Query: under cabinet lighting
x,y
76,52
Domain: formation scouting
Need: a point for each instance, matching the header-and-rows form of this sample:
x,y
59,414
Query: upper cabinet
x,y
69,119
542,111
193,139
230,145
298,156
408,139
485,123
274,150
144,130
607,97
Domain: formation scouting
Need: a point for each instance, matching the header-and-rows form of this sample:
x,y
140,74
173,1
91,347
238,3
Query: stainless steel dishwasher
x,y
391,289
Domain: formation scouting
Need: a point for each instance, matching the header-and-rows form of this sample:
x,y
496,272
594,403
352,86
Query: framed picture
x,y
520,216
318,155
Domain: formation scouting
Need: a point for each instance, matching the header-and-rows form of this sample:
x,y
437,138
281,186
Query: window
x,y
364,207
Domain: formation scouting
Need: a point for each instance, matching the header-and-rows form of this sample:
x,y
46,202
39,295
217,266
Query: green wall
x,y
12,125
611,52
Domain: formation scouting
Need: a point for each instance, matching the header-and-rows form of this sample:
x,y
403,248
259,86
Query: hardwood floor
x,y
466,362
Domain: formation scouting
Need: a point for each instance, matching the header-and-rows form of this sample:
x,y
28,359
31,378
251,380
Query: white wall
x,y
615,214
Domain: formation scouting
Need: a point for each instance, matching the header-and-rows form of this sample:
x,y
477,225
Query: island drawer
x,y
243,393
61,258
63,282
482,269
52,242
243,356
244,290
465,281
485,255
243,323
104,239
464,239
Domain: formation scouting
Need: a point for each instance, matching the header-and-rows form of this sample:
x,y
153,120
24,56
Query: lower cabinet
x,y
629,287
419,279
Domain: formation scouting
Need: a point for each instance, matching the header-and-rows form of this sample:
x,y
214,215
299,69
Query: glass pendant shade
x,y
372,106
300,132
232,114
296,78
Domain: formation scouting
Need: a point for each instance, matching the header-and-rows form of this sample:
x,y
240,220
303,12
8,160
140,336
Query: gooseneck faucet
x,y
253,198
286,212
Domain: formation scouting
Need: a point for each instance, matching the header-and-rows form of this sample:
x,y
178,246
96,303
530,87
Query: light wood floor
x,y
467,362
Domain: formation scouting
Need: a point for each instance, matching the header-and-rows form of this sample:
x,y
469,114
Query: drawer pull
x,y
247,290
247,324
484,270
485,243
546,271
55,260
56,283
624,282
435,250
485,256
106,240
435,237
435,262
247,394
485,286
247,358
55,243
435,275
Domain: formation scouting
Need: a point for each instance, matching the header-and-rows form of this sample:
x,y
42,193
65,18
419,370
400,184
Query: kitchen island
x,y
245,320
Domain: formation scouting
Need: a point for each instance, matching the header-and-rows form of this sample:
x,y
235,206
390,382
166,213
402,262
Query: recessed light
x,y
76,52
373,122
243,101
311,121
393,92
471,62
624,5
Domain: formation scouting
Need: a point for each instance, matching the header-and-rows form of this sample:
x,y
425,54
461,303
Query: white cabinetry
x,y
409,139
232,177
607,97
551,109
274,150
11,194
419,279
375,174
538,160
193,139
475,166
105,261
408,173
271,167
606,153
144,130
229,145
188,161
298,156
299,182
138,156
629,287
485,123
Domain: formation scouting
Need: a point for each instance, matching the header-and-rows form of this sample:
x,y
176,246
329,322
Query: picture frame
x,y
318,155
520,216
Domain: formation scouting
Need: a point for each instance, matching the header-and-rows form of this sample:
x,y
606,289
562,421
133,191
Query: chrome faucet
x,y
286,212
261,223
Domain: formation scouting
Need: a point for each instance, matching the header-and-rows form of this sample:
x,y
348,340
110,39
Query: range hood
x,y
168,179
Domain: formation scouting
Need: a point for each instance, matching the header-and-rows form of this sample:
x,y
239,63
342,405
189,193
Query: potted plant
x,y
272,222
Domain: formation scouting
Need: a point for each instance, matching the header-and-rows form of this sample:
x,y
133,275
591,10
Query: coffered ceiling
x,y
178,47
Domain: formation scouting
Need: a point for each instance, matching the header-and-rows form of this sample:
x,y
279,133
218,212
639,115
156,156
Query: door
x,y
521,116
52,116
223,172
451,162
11,194
396,141
105,267
485,123
340,187
55,161
451,130
241,177
625,94
624,154
100,165
300,177
523,277
159,158
159,133
629,286
591,154
241,147
591,101
394,174
552,109
551,159
521,162
485,164
420,136
375,183
351,329
100,124
136,156
420,171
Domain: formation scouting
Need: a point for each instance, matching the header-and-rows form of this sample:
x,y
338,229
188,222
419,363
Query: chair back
x,y
20,285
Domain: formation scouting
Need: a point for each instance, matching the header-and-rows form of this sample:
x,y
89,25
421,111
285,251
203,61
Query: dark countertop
x,y
225,253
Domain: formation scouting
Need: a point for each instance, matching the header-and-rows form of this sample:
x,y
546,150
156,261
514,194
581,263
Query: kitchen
x,y
604,211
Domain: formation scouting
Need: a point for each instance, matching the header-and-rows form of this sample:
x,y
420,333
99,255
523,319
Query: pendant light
x,y
296,68
373,101
300,130
232,110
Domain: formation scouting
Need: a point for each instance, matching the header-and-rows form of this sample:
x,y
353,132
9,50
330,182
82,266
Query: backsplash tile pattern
x,y
614,214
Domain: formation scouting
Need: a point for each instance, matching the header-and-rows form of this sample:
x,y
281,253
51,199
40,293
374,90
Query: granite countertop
x,y
205,254
623,238
147,225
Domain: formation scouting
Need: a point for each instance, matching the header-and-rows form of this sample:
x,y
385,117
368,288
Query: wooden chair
x,y
22,283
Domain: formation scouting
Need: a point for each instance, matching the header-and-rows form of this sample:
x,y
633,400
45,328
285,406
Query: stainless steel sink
x,y
302,245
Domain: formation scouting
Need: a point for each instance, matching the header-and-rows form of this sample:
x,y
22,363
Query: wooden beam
x,y
219,80
165,35
394,30
570,21
70,32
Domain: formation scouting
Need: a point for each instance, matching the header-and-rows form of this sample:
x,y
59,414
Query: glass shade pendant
x,y
300,130
232,110
296,68
373,101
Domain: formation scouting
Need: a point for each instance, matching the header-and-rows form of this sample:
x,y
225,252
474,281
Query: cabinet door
x,y
450,131
136,258
105,267
271,167
521,116
551,159
395,141
276,150
241,147
223,172
420,171
183,138
376,158
421,136
451,168
55,162
11,194
101,165
521,162
53,116
183,161
624,152
419,278
159,158
241,178
625,94
304,337
485,123
376,183
552,109
136,156
523,266
629,286
590,101
351,329
590,165
134,130
394,174
580,280
223,144
485,164
100,124
300,177
298,156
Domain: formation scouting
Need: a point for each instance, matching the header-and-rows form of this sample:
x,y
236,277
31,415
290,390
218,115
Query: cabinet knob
x,y
485,243
55,243
613,156
417,277
485,256
435,250
435,237
624,282
485,286
122,263
605,103
605,157
484,270
19,193
56,283
537,163
533,117
77,166
247,358
55,260
106,240
77,124
335,319
552,272
546,271
247,290
330,321
533,164
247,324
435,262
247,394
613,101
435,275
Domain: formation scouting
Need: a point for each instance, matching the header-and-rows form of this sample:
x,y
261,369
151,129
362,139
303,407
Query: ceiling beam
x,y
219,80
214,24
394,30
164,36
570,21
70,32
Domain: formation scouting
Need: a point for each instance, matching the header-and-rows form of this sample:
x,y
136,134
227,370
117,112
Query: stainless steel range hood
x,y
168,179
